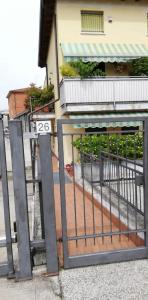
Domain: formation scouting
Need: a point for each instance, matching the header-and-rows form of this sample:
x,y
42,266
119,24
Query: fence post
x,y
5,191
20,197
40,198
101,169
48,203
145,164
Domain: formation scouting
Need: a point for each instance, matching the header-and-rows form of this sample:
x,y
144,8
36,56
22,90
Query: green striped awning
x,y
113,123
103,52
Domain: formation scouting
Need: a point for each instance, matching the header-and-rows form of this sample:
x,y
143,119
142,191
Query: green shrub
x,y
129,146
68,71
139,67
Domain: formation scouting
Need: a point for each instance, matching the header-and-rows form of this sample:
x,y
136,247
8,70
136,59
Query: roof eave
x,y
46,16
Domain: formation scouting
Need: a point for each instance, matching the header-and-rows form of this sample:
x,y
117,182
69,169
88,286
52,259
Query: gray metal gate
x,y
105,213
103,194
26,243
6,262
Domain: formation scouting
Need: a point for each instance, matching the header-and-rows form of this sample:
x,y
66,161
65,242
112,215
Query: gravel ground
x,y
40,288
107,282
128,281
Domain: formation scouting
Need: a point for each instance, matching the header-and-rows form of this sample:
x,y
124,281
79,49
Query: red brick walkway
x,y
94,218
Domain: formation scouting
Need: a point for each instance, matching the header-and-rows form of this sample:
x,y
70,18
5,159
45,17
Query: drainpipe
x,y
56,51
47,79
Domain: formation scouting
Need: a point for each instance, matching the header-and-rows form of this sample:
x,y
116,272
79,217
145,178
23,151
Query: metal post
x,y
20,196
6,201
48,203
40,197
62,192
145,164
101,169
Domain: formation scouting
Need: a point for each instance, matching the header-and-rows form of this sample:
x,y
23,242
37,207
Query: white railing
x,y
103,90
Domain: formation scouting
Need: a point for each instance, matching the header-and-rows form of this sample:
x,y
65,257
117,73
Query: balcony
x,y
104,94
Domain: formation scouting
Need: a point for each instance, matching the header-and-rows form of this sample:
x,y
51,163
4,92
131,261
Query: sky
x,y
19,35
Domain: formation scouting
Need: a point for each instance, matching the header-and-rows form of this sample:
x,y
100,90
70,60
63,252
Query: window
x,y
92,21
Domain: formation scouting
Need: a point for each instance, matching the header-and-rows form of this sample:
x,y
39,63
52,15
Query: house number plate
x,y
43,127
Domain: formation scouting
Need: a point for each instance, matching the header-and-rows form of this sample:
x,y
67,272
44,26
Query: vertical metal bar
x,y
110,193
133,190
121,167
40,197
20,196
101,169
135,184
62,191
5,192
130,183
92,196
118,174
146,180
83,183
41,210
48,203
102,174
74,192
126,185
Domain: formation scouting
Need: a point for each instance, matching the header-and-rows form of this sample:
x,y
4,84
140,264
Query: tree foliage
x,y
38,96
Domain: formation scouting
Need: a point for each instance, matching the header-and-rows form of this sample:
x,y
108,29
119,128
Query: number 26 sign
x,y
43,127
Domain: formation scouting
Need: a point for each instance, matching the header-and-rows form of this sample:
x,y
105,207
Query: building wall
x,y
129,25
16,103
11,105
129,21
52,75
51,61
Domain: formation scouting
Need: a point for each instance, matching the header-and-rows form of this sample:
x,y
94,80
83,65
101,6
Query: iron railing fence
x,y
98,225
105,214
123,177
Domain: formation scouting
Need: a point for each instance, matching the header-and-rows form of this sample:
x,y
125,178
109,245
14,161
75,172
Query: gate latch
x,y
139,180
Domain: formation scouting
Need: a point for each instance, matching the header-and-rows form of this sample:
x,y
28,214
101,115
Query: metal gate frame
x,y
7,269
24,244
110,256
21,203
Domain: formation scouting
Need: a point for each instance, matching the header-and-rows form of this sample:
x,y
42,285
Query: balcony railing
x,y
105,92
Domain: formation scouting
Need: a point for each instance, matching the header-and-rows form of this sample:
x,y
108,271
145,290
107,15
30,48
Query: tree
x,y
37,96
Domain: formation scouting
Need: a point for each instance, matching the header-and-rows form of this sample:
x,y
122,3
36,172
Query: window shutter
x,y
92,21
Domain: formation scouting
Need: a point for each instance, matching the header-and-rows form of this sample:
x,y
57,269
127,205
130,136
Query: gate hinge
x,y
139,180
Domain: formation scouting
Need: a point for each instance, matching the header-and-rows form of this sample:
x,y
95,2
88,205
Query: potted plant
x,y
69,169
81,69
